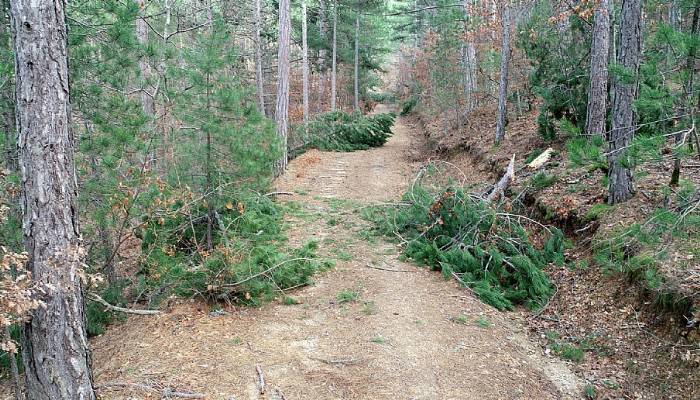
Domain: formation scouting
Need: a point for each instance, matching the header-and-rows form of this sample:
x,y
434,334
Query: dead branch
x,y
541,159
387,269
97,298
261,379
165,392
272,194
342,361
502,184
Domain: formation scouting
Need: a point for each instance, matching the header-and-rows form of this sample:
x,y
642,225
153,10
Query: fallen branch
x,y
541,159
348,361
228,285
272,194
261,379
165,392
97,298
387,269
502,184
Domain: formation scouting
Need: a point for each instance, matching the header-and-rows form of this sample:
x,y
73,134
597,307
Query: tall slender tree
x,y
621,183
305,63
334,66
356,76
259,80
54,345
598,89
283,69
503,85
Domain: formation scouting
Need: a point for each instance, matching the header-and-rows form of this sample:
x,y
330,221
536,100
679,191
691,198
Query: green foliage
x,y
543,180
248,261
639,249
408,105
587,153
559,58
460,235
347,296
339,131
97,316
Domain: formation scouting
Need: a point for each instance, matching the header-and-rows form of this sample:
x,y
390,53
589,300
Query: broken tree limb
x,y
97,298
542,159
261,379
505,181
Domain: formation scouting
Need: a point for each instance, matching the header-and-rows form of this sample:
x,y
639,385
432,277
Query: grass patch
x,y
347,296
543,180
483,322
378,340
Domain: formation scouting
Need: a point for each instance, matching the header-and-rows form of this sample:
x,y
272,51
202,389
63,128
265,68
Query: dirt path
x,y
401,334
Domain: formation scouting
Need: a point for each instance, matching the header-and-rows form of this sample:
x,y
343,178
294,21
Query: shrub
x,y
463,236
408,105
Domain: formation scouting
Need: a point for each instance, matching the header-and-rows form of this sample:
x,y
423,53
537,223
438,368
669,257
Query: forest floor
x,y
373,327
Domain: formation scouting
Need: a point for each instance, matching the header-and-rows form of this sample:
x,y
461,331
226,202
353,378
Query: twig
x,y
228,285
261,379
97,298
387,269
348,361
272,194
165,392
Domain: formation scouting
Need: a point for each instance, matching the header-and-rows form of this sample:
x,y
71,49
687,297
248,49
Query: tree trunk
x,y
7,104
356,82
503,86
323,33
598,90
259,80
282,109
334,72
687,96
54,345
620,175
469,64
147,103
305,63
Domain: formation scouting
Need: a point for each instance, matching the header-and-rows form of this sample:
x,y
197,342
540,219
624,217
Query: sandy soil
x,y
408,334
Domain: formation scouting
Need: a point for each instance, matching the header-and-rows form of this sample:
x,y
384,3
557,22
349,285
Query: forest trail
x,y
397,332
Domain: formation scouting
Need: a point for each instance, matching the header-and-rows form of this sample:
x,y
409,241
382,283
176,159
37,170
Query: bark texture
x,y
469,63
334,66
356,80
54,345
304,63
7,102
147,103
503,85
323,33
598,89
629,52
259,80
282,109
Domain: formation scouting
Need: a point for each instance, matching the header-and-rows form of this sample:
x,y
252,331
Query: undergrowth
x,y
249,261
462,236
640,249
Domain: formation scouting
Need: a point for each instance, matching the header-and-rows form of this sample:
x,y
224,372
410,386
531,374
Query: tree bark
x,y
687,95
7,103
323,33
259,80
54,343
598,89
620,171
305,63
469,63
503,85
334,66
147,103
356,81
282,109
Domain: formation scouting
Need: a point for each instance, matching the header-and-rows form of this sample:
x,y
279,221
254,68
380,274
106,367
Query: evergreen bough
x,y
339,131
465,237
